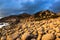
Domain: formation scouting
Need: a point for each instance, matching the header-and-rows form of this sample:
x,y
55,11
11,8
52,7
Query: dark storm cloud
x,y
14,7
56,7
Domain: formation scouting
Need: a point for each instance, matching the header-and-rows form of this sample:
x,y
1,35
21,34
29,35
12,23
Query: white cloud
x,y
56,0
32,0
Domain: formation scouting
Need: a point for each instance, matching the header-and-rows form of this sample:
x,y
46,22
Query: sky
x,y
15,7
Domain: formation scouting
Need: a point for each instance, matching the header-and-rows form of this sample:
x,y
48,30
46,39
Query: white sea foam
x,y
0,17
3,24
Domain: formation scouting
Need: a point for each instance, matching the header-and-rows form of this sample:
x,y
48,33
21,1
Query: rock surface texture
x,y
43,25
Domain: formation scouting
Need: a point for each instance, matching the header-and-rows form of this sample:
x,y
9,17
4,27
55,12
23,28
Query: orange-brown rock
x,y
43,25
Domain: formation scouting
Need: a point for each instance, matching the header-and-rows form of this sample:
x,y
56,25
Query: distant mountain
x,y
37,16
27,17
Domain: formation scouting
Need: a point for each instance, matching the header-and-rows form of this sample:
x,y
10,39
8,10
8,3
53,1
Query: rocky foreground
x,y
41,26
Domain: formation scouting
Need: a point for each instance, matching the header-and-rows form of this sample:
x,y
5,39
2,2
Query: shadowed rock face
x,y
43,25
14,18
45,15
